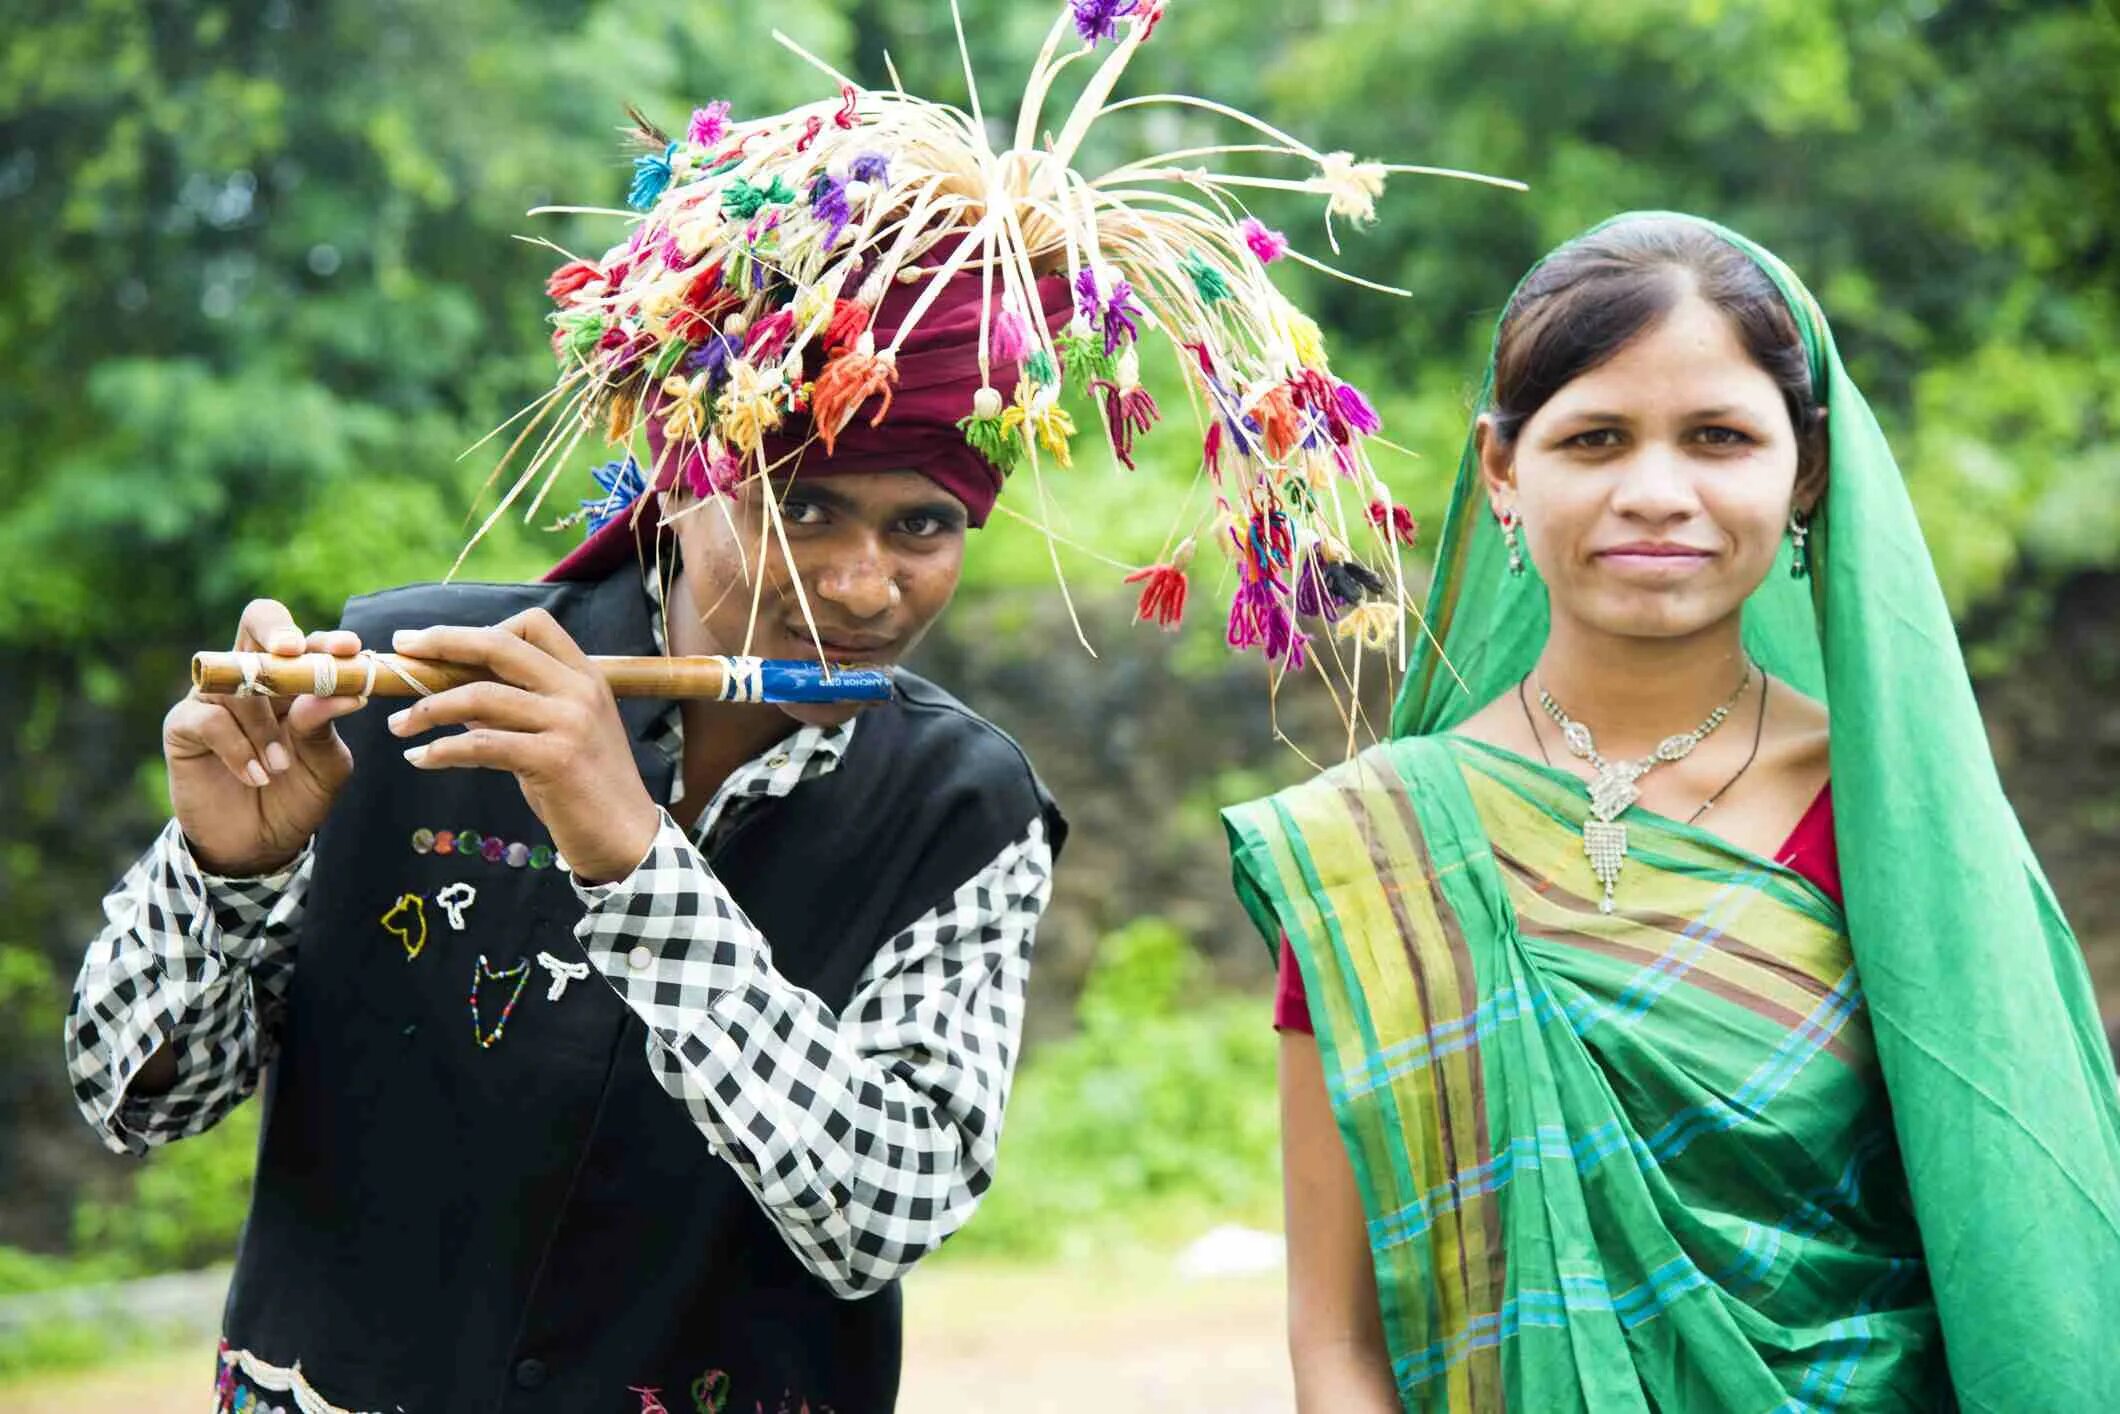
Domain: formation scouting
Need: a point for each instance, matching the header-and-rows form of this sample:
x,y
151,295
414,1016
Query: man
x,y
619,1054
799,935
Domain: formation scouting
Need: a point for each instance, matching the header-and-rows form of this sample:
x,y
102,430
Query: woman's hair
x,y
1593,295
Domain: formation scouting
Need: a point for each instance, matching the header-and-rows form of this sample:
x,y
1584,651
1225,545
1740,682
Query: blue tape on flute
x,y
797,680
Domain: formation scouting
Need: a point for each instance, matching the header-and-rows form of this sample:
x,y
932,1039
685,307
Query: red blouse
x,y
1810,851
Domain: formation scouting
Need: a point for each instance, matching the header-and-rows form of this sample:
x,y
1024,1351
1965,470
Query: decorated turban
x,y
867,282
918,427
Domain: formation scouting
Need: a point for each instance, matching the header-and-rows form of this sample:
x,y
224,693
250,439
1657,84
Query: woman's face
x,y
1654,489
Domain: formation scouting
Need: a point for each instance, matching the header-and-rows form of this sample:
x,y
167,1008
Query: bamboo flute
x,y
365,675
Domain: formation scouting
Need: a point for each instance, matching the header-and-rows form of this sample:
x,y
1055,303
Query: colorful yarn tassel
x,y
989,434
768,338
1266,243
684,409
750,406
744,201
1396,521
622,484
1351,187
709,124
847,382
1098,20
1128,407
1083,360
651,175
1045,420
850,320
1280,429
1259,619
1374,624
1008,341
1356,409
1163,589
570,279
713,472
828,203
1212,284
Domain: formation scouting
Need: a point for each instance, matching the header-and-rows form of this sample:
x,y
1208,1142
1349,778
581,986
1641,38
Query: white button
x,y
640,959
776,762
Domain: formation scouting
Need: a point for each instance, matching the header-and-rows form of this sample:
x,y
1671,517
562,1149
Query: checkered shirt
x,y
867,1136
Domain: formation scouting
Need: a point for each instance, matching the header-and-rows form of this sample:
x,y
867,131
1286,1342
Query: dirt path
x,y
977,1342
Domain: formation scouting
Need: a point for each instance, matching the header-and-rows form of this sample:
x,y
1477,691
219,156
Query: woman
x,y
1615,1100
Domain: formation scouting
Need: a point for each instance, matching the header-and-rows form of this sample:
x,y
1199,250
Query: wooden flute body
x,y
717,679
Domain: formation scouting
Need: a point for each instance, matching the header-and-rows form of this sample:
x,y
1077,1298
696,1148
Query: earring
x,y
1516,554
1799,552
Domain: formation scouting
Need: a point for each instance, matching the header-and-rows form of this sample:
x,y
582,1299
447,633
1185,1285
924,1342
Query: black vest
x,y
536,1224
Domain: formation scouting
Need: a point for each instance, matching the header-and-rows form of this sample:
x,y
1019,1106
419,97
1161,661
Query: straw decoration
x,y
742,301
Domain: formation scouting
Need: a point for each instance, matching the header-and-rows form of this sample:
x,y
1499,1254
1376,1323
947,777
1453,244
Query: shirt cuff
x,y
669,937
238,906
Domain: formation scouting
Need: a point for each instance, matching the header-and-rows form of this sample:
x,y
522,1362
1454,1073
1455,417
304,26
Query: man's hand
x,y
251,778
550,720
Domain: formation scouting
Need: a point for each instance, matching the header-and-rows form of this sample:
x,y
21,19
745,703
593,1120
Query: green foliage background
x,y
259,291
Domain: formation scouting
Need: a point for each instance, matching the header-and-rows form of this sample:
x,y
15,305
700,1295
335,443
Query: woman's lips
x,y
1652,560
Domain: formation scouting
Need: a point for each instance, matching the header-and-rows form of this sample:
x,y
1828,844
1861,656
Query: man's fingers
x,y
266,625
339,642
541,631
494,704
198,728
259,719
481,746
309,719
505,655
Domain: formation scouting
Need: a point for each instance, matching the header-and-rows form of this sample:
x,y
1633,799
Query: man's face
x,y
876,557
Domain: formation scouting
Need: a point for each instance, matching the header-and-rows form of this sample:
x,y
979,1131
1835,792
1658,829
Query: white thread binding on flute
x,y
397,665
250,665
284,1379
743,680
368,687
326,671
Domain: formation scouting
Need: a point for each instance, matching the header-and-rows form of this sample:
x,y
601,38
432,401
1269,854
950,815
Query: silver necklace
x,y
1615,788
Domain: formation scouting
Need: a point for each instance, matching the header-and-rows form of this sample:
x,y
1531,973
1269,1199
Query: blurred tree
x,y
260,292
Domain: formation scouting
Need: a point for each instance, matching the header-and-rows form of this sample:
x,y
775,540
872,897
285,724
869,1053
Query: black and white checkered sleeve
x,y
867,1136
188,959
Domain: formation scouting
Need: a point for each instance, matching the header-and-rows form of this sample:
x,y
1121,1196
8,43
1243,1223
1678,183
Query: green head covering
x,y
1998,1072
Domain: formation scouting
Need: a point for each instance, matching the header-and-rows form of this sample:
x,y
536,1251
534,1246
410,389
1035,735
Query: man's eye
x,y
796,512
922,526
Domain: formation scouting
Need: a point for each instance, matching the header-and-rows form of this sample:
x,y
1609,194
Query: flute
x,y
364,675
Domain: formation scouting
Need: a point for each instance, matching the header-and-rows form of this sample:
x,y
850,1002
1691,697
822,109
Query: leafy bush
x,y
1156,1119
187,1207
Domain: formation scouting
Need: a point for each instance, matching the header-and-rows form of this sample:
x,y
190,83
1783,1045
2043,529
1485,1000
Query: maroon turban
x,y
938,371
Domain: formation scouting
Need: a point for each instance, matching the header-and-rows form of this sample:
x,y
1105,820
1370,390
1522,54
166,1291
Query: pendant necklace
x,y
1613,789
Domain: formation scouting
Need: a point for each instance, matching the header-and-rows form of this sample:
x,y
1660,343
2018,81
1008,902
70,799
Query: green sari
x,y
1727,1148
